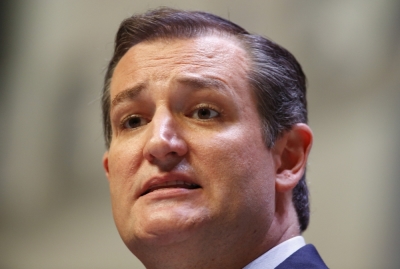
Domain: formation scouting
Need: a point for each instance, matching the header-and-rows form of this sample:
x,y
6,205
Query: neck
x,y
285,224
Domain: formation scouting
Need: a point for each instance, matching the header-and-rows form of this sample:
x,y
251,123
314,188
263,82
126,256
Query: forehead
x,y
165,59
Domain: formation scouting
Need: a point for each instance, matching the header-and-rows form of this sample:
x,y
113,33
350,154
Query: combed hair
x,y
274,75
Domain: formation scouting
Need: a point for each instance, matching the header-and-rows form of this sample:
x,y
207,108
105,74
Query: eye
x,y
133,122
204,113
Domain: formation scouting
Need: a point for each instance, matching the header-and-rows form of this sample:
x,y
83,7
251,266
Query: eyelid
x,y
124,120
207,106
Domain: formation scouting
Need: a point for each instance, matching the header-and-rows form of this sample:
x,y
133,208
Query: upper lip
x,y
169,179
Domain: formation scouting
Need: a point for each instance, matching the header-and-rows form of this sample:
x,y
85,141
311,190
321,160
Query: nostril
x,y
168,162
161,148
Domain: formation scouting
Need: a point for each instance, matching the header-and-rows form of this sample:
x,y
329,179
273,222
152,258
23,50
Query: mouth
x,y
178,184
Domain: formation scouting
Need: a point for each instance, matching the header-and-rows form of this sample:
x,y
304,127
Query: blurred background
x,y
54,202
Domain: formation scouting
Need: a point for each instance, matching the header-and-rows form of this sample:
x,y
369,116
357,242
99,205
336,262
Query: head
x,y
272,88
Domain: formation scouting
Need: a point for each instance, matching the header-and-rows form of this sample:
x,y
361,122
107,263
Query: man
x,y
207,144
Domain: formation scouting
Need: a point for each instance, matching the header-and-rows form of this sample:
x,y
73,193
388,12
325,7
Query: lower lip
x,y
169,193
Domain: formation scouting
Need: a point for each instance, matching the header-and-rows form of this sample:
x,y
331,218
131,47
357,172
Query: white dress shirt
x,y
276,255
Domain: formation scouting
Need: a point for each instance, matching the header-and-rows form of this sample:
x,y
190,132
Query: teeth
x,y
177,183
173,183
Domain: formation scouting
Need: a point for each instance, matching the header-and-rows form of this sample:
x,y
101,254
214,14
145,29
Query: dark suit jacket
x,y
306,257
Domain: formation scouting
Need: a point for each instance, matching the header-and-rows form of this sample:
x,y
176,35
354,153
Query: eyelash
x,y
205,106
126,119
190,115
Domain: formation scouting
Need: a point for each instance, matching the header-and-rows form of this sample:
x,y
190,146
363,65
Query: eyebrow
x,y
195,83
128,94
198,83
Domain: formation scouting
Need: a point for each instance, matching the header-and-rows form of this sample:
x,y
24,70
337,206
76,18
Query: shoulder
x,y
306,257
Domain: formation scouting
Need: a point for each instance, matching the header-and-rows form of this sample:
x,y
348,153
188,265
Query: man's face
x,y
187,159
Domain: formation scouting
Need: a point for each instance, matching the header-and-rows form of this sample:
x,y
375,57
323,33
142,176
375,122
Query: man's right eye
x,y
133,122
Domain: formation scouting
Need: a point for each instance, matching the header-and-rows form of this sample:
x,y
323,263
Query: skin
x,y
182,110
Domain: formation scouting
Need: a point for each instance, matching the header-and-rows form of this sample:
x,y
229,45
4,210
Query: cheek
x,y
124,159
123,162
235,162
238,181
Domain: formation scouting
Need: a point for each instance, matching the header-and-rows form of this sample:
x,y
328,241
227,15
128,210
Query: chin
x,y
164,229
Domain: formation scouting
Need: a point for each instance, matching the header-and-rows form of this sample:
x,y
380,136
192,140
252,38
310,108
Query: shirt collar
x,y
277,254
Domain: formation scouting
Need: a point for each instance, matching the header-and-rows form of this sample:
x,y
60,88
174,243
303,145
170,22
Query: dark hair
x,y
275,76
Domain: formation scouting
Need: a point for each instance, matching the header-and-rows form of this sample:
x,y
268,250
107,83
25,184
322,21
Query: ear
x,y
105,164
290,155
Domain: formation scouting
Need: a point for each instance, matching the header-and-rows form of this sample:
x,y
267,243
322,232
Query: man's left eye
x,y
204,113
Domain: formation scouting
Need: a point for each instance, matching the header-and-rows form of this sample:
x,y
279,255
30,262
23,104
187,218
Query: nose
x,y
164,146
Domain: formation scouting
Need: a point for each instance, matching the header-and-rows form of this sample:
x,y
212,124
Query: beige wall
x,y
54,202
